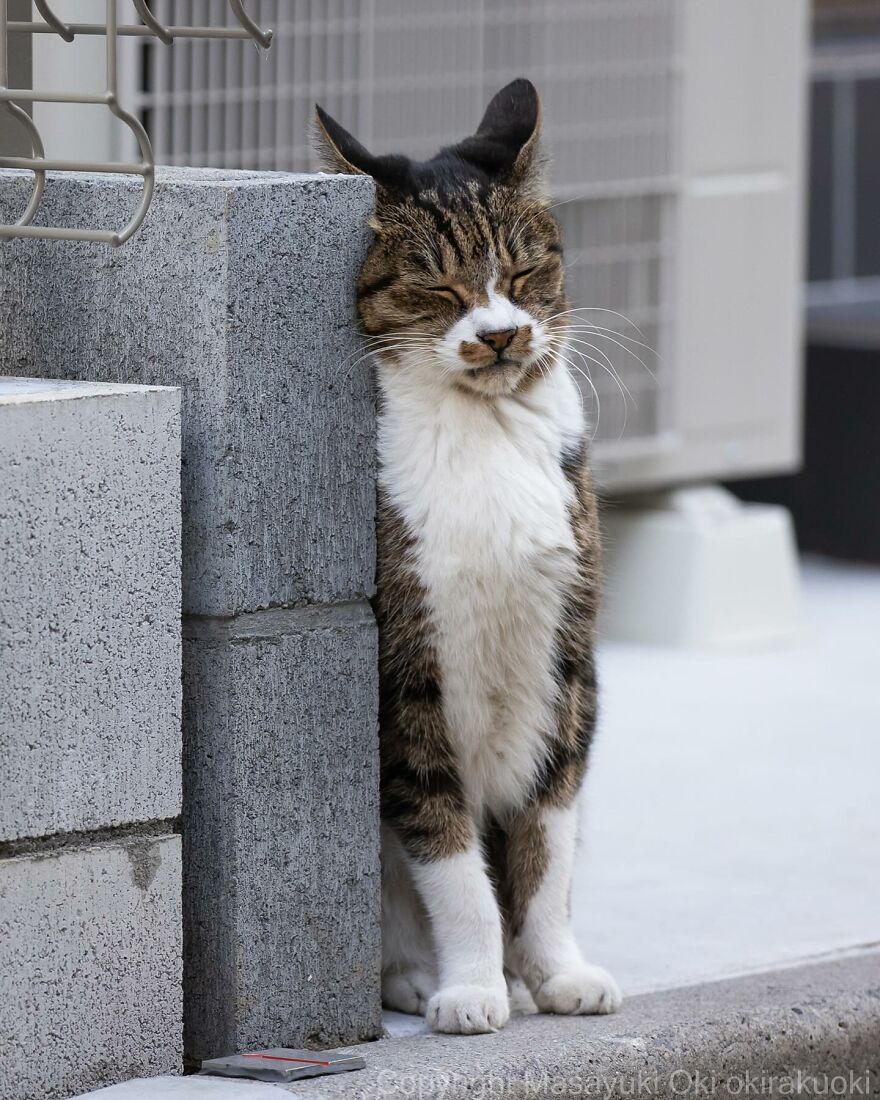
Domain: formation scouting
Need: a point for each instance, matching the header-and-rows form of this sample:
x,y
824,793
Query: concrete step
x,y
810,1030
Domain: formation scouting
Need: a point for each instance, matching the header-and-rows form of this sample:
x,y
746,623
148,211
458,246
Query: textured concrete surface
x,y
193,1087
721,1039
731,815
89,966
90,599
239,288
807,1031
281,830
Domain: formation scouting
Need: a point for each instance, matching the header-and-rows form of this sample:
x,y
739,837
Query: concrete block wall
x,y
281,705
90,791
240,290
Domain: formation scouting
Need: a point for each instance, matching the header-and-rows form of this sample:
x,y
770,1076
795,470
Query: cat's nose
x,y
499,340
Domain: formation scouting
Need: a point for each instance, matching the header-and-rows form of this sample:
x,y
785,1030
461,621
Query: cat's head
x,y
464,282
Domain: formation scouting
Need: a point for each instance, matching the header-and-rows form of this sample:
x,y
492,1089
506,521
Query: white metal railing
x,y
144,166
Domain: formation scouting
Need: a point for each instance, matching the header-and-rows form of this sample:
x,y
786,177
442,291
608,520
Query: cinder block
x,y
89,606
281,831
90,964
240,289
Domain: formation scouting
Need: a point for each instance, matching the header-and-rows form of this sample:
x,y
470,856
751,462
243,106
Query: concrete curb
x,y
801,1031
812,1030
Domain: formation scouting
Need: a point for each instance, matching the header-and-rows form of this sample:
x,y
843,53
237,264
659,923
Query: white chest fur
x,y
480,486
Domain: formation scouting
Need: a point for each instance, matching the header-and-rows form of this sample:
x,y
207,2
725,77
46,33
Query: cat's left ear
x,y
506,142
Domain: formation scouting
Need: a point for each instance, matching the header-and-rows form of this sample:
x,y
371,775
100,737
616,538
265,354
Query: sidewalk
x,y
732,820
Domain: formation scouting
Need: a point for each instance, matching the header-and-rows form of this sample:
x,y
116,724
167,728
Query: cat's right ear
x,y
506,142
338,151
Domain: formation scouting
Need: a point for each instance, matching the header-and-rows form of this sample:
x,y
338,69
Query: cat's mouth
x,y
498,367
491,362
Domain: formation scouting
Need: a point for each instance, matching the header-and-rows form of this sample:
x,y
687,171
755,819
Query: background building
x,y
676,131
833,497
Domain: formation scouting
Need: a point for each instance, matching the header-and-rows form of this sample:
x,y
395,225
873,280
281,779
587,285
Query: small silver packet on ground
x,y
281,1064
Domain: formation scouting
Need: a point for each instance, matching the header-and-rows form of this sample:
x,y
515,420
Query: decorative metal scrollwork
x,y
12,98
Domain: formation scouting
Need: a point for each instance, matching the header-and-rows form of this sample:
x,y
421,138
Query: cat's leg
x,y
466,925
541,945
425,807
409,967
423,802
539,847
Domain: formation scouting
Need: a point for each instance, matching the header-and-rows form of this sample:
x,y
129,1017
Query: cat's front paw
x,y
468,1009
587,990
408,991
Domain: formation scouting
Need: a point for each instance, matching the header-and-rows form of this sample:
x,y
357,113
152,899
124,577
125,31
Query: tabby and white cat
x,y
487,579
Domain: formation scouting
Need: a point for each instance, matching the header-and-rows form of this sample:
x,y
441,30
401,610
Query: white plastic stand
x,y
697,567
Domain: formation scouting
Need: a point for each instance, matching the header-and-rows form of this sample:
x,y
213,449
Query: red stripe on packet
x,y
280,1058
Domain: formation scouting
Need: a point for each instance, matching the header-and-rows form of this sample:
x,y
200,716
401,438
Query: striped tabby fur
x,y
488,576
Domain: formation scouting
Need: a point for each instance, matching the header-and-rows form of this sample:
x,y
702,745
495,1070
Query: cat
x,y
487,577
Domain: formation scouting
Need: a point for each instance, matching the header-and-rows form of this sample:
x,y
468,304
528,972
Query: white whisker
x,y
622,389
595,309
585,375
629,351
588,327
609,368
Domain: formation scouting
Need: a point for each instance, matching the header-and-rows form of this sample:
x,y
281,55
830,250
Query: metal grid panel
x,y
414,74
619,259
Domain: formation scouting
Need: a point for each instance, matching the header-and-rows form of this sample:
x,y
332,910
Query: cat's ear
x,y
338,151
506,142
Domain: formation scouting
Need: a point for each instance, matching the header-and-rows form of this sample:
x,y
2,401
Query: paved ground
x,y
808,1031
732,817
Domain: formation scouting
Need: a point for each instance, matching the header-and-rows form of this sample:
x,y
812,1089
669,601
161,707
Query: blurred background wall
x,y
676,131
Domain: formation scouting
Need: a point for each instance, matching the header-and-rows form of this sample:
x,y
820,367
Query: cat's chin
x,y
494,380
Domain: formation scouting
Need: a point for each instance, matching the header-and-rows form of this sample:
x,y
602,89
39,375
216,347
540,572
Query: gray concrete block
x,y
240,289
89,606
281,842
90,966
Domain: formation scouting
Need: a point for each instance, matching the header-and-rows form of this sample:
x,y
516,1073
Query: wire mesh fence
x,y
412,75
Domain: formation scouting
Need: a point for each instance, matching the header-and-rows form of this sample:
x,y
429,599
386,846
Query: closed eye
x,y
449,293
517,281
